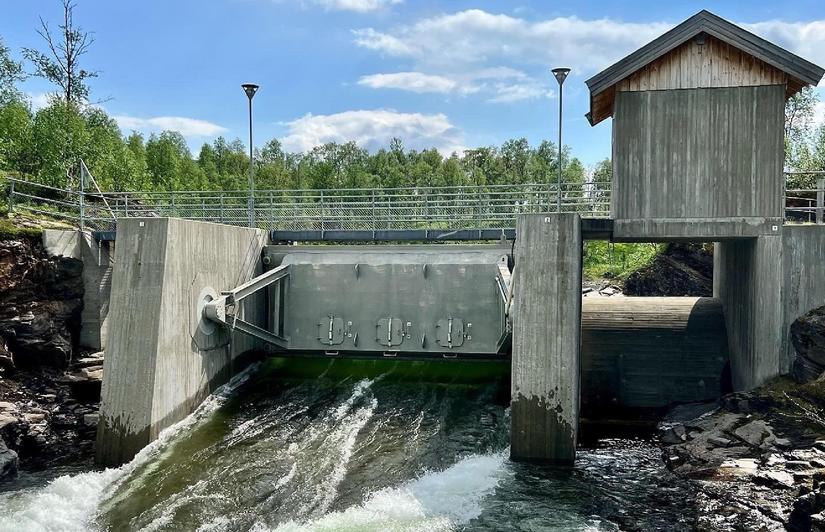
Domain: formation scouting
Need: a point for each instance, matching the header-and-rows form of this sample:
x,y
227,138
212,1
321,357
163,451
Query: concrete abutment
x,y
162,360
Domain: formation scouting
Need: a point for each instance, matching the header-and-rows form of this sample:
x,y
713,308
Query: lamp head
x,y
250,89
561,74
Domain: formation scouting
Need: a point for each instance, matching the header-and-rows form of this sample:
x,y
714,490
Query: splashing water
x,y
371,454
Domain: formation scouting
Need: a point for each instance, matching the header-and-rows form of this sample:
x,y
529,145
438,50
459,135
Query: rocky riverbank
x,y
49,390
758,457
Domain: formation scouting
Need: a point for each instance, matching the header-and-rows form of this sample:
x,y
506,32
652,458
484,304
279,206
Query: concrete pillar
x,y
546,338
748,278
162,358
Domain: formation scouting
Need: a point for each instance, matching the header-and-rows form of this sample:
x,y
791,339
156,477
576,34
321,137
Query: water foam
x,y
69,503
436,501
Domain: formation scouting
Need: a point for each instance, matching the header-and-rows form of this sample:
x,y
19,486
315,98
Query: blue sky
x,y
444,74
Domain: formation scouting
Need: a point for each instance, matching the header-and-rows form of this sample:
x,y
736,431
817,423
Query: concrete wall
x,y
764,284
162,359
748,281
546,338
803,257
695,154
98,259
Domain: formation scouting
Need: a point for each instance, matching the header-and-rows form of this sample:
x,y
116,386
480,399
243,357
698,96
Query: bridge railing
x,y
459,207
477,207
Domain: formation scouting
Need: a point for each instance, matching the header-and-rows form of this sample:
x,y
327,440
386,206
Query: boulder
x,y
808,337
42,299
8,461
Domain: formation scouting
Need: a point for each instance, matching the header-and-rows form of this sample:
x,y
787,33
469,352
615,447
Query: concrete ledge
x,y
162,360
694,229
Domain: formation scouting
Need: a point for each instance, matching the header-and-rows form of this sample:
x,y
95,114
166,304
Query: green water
x,y
365,447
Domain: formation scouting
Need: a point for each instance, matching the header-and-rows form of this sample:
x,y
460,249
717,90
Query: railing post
x,y
372,209
322,214
81,201
11,198
478,208
126,205
220,212
271,216
820,201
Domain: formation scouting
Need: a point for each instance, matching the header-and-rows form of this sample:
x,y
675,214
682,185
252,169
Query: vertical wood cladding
x,y
707,62
698,153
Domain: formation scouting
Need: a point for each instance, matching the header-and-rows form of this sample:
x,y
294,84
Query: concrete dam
x,y
698,155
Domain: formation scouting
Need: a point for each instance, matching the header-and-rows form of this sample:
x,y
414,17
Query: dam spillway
x,y
399,302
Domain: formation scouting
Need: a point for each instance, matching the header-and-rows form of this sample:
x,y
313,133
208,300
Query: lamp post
x,y
250,89
561,75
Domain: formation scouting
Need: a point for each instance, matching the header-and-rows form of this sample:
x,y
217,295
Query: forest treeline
x,y
46,144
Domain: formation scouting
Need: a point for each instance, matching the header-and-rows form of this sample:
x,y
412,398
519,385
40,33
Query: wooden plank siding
x,y
703,62
698,153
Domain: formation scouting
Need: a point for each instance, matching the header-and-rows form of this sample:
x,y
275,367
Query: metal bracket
x,y
223,309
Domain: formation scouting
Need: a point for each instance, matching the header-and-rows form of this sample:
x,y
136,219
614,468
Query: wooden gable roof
x,y
742,59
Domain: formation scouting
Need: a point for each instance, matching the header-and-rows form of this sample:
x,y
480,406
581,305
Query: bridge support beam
x,y
546,339
163,358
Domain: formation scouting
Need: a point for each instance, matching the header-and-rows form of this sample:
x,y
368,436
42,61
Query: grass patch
x,y
605,260
9,230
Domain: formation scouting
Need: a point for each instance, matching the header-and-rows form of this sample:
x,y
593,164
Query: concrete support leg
x,y
97,260
748,278
546,338
162,358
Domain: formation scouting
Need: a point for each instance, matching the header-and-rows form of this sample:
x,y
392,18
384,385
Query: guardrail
x,y
806,204
476,207
359,209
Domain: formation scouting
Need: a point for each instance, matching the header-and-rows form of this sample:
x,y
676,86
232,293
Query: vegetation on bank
x,y
9,230
605,260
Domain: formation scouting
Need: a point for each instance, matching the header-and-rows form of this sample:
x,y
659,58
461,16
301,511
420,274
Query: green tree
x,y
15,136
61,64
799,115
11,73
59,137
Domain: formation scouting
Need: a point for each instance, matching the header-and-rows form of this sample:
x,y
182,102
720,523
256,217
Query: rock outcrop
x,y
42,299
808,337
679,270
756,457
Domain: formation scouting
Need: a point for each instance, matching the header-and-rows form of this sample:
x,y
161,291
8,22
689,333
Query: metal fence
x,y
805,197
476,207
463,207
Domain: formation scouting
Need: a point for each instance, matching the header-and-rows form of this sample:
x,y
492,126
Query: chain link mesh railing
x,y
410,208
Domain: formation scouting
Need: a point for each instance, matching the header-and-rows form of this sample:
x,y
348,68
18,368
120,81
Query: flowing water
x,y
350,453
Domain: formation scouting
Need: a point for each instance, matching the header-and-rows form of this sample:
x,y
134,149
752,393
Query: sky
x,y
448,74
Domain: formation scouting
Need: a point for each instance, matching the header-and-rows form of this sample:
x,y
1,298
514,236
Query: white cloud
x,y
360,6
490,80
373,129
409,81
39,100
806,39
188,127
475,51
819,114
518,92
456,46
475,37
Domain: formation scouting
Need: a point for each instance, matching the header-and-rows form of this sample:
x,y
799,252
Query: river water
x,y
349,453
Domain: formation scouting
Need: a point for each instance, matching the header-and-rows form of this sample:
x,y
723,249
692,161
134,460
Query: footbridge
x,y
200,281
